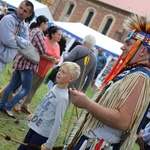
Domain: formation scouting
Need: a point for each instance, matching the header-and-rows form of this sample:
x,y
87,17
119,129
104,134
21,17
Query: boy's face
x,y
63,76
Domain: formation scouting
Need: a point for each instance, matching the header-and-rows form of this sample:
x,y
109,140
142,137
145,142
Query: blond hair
x,y
74,69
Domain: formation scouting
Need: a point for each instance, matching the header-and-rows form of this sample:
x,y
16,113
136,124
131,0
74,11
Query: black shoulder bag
x,y
52,75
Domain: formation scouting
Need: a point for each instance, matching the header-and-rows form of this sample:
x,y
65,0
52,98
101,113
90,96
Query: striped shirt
x,y
20,62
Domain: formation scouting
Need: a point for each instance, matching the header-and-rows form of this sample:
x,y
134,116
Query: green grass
x,y
16,131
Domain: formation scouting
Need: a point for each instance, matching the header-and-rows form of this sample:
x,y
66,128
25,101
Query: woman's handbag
x,y
31,53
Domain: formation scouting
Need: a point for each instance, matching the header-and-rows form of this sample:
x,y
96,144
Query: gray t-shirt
x,y
49,114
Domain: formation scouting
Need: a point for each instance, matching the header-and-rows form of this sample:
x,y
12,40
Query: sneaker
x,y
24,110
9,113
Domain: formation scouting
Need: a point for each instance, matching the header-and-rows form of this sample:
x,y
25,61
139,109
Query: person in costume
x,y
115,112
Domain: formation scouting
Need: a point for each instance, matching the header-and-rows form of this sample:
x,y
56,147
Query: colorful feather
x,y
139,23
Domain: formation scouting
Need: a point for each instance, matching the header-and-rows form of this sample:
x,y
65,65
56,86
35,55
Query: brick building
x,y
104,16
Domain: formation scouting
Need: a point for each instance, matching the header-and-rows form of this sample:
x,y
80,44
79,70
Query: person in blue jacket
x,y
14,33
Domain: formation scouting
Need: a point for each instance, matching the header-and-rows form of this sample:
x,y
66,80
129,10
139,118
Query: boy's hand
x,y
43,147
30,117
141,142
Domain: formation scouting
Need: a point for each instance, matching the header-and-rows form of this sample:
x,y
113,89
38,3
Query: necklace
x,y
130,66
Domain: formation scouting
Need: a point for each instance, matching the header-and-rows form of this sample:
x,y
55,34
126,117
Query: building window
x,y
107,26
88,16
88,19
70,10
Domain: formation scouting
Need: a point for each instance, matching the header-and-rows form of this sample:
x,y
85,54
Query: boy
x,y
47,119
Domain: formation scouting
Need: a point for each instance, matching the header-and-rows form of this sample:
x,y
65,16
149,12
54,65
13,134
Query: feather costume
x,y
117,94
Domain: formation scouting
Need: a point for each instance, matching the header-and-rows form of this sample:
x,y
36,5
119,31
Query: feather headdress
x,y
137,23
139,29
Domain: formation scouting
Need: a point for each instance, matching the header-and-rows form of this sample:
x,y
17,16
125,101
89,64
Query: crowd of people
x,y
118,109
27,76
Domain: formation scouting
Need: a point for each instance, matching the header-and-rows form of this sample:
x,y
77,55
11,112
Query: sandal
x,y
26,111
17,110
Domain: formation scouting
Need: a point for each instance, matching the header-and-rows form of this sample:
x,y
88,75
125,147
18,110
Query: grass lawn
x,y
17,131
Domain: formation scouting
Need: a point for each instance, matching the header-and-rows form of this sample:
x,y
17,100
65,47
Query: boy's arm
x,y
43,147
140,142
144,137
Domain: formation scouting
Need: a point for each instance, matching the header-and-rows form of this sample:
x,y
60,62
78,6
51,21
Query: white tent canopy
x,y
80,30
40,9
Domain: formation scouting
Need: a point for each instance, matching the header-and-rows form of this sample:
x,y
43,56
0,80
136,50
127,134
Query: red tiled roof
x,y
140,7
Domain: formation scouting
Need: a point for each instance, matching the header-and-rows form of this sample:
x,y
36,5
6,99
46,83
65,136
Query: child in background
x,y
47,119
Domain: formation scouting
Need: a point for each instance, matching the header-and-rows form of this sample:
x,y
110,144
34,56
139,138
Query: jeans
x,y
23,77
2,67
34,141
36,83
